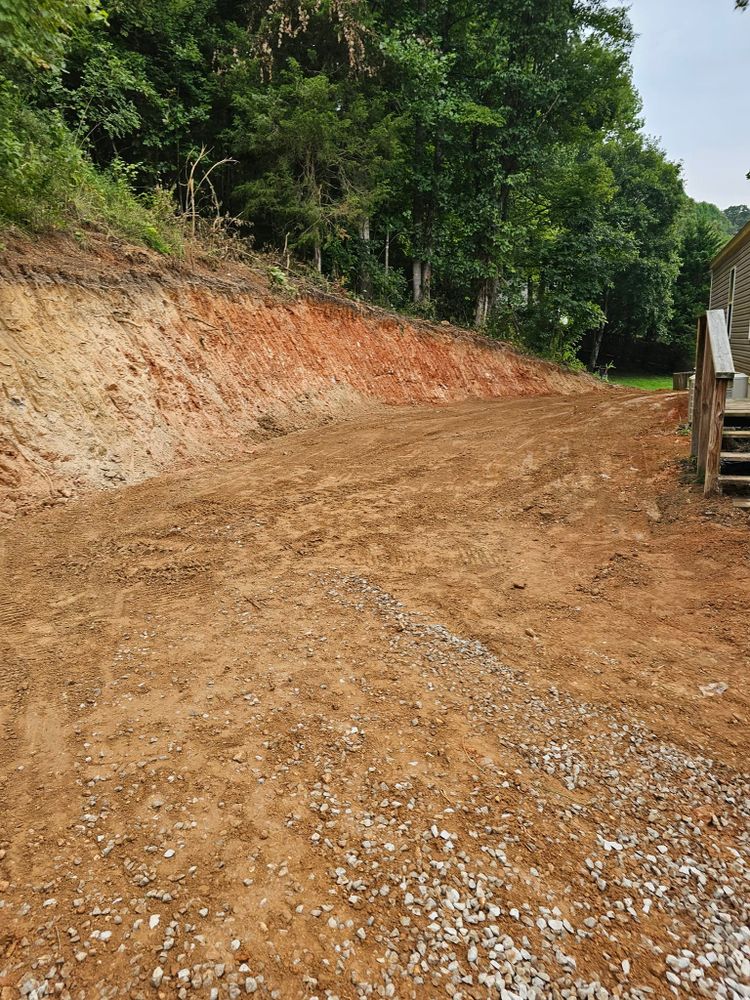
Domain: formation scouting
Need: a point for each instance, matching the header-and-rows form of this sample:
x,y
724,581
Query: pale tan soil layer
x,y
116,365
208,663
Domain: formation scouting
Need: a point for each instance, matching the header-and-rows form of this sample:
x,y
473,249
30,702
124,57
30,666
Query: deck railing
x,y
714,370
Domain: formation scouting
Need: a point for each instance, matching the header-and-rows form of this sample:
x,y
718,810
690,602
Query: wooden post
x,y
715,436
708,383
700,351
714,369
680,380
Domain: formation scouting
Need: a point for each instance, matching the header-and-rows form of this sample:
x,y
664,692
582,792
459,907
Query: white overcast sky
x,y
692,68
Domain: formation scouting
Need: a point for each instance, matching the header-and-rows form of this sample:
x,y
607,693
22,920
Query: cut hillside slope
x,y
116,365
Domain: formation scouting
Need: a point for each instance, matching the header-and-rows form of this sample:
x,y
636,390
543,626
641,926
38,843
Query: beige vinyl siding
x,y
740,332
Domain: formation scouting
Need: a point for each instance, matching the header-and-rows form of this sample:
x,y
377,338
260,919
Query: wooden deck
x,y
738,407
716,419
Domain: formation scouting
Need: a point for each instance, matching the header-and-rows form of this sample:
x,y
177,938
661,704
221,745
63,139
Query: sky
x,y
692,68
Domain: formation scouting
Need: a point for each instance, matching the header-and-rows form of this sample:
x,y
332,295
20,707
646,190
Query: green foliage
x,y
464,159
315,154
48,182
713,216
144,85
42,168
34,33
651,196
702,234
46,177
280,280
107,202
738,216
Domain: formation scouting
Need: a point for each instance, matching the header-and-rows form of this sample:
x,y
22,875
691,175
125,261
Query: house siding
x,y
740,332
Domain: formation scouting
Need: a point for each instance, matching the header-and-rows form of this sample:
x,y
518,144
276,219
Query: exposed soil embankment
x,y
115,365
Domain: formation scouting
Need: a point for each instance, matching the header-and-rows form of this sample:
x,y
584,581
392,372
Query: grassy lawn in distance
x,y
643,381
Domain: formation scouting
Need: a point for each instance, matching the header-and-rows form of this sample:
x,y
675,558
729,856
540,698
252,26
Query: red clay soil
x,y
438,702
116,365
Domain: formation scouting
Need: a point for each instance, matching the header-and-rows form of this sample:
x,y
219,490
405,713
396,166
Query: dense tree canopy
x,y
34,33
737,216
483,162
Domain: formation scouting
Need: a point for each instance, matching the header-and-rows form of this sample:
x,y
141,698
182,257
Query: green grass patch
x,y
641,381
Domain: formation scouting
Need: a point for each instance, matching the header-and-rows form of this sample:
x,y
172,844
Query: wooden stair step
x,y
737,434
735,456
742,502
735,480
738,407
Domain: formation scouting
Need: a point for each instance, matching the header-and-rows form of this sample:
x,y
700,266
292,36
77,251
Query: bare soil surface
x,y
117,365
437,702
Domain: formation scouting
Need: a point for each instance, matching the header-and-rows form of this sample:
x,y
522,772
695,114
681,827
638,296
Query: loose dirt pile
x,y
115,366
418,706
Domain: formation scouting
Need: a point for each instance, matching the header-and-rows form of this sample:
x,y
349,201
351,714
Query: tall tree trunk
x,y
486,299
318,258
426,280
365,278
482,306
596,347
598,338
416,280
488,291
387,249
421,280
423,217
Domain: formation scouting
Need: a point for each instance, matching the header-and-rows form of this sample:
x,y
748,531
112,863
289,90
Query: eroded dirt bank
x,y
115,366
443,702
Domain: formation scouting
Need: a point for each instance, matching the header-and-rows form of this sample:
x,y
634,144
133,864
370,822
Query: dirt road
x,y
422,705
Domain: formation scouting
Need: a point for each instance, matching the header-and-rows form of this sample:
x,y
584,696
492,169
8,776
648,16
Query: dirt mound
x,y
116,365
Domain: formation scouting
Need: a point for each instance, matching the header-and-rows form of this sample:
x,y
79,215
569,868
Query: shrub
x,y
47,181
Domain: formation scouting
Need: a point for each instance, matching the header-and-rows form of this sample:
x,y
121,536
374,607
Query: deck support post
x,y
703,411
715,436
714,367
700,352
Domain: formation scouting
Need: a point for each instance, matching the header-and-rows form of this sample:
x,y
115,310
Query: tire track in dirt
x,y
191,685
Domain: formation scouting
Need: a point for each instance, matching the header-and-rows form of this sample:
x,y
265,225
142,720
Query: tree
x,y
581,245
712,215
46,178
34,33
313,151
738,216
487,155
145,87
342,26
638,303
700,239
488,91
